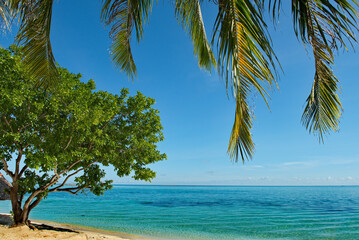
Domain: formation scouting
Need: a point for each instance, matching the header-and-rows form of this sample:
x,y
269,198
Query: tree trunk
x,y
20,215
21,218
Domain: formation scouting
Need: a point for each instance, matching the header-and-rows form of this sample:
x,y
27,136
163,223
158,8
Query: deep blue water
x,y
211,212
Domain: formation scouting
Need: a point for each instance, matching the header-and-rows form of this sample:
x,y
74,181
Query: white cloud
x,y
296,163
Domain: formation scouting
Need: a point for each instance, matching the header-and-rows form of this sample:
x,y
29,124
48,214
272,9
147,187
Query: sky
x,y
195,111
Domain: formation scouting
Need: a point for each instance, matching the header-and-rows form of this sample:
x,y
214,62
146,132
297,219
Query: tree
x,y
69,133
245,58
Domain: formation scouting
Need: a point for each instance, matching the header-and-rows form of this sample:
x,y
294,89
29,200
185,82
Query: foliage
x,y
245,58
71,131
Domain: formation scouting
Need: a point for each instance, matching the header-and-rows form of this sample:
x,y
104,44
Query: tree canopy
x,y
70,132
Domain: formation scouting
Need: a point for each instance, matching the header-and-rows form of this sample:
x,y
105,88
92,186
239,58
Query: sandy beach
x,y
51,230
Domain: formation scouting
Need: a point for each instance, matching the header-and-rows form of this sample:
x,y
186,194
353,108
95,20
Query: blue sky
x,y
196,114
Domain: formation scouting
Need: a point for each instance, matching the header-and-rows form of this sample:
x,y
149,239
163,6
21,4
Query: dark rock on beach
x,y
4,184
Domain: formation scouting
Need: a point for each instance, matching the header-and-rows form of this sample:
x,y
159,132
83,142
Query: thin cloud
x,y
296,163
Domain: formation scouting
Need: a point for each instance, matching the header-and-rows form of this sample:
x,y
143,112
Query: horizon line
x,y
224,185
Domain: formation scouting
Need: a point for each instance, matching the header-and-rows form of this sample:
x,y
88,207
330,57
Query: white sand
x,y
25,233
81,233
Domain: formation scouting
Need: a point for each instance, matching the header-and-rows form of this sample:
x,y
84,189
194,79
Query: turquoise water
x,y
202,212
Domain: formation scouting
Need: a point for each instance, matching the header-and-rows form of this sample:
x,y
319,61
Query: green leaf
x,y
246,61
124,16
189,14
34,35
5,16
324,27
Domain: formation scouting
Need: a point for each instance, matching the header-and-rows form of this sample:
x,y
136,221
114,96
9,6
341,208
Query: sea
x,y
211,212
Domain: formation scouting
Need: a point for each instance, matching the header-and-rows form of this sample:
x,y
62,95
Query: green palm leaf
x,y
124,16
34,35
325,27
247,61
240,142
5,15
189,14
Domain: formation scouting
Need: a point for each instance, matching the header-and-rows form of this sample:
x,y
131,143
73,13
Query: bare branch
x,y
53,181
31,197
20,129
69,168
68,144
6,169
67,178
7,122
18,159
55,170
74,190
22,171
56,177
35,203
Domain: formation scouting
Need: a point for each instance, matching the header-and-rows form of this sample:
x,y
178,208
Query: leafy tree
x,y
51,136
245,57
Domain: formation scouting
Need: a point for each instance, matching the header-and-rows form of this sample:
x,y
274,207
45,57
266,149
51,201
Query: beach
x,y
51,230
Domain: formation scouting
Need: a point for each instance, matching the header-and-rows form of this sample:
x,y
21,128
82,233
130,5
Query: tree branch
x,y
54,178
35,203
7,122
55,170
105,125
21,198
74,190
19,129
67,178
31,197
6,169
22,171
18,159
71,166
42,115
68,144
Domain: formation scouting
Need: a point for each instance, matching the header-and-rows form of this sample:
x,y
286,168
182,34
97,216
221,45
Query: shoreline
x,y
56,230
83,228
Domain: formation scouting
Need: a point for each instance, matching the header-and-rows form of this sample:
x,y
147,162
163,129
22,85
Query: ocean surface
x,y
211,212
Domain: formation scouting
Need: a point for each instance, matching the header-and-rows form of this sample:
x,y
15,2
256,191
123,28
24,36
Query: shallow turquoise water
x,y
202,212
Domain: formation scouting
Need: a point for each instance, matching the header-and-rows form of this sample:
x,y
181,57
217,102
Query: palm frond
x,y
189,14
334,24
240,142
5,16
124,16
274,7
326,28
34,35
246,61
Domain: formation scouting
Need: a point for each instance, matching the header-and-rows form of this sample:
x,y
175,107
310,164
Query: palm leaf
x,y
325,27
34,35
246,61
240,142
5,15
124,16
189,14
